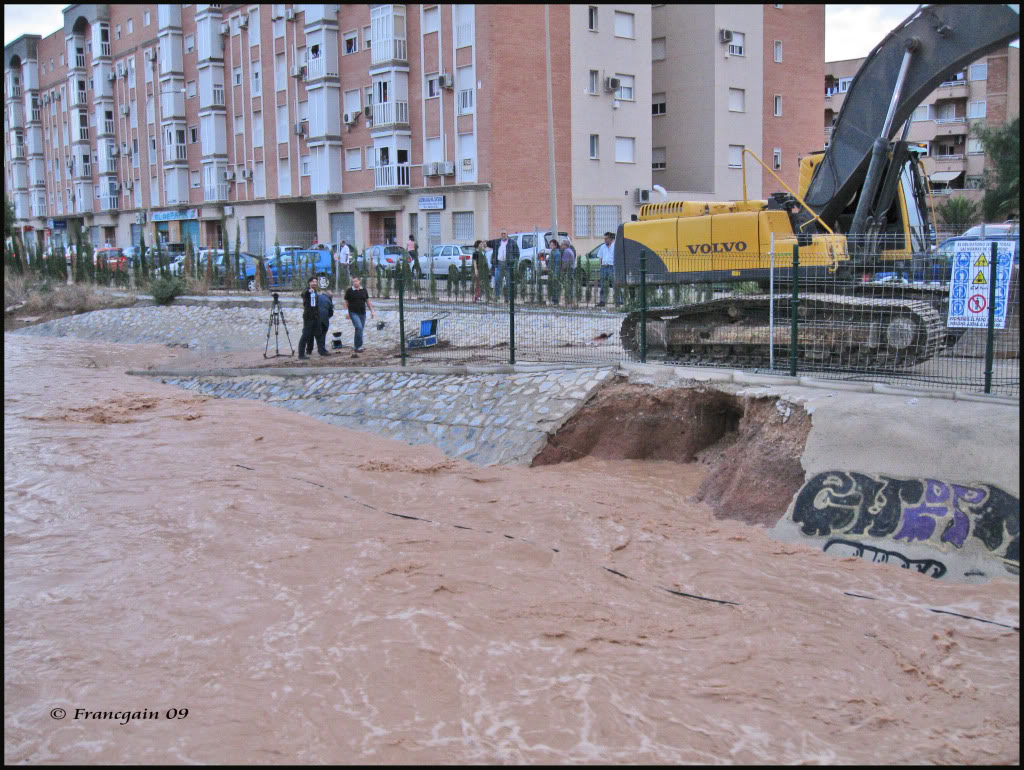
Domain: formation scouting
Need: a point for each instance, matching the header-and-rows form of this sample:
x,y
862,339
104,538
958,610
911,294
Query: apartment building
x,y
726,78
986,91
322,122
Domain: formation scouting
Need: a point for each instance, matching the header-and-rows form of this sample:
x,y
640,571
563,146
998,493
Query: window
x,y
737,100
257,129
921,113
462,222
778,106
974,182
658,49
431,20
777,158
282,123
62,60
354,159
738,45
254,27
943,111
238,76
581,221
239,124
193,134
304,110
975,147
370,157
594,147
976,109
255,78
778,50
657,158
626,83
466,101
259,180
131,27
304,165
366,43
594,85
624,26
592,18
735,156
117,32
350,43
190,43
625,147
432,86
979,71
607,218
190,89
145,19
152,147
284,177
658,104
195,178
844,85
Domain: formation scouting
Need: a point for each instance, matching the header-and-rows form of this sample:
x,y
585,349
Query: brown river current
x,y
297,621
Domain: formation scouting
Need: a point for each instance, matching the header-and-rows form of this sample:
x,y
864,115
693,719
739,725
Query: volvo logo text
x,y
725,247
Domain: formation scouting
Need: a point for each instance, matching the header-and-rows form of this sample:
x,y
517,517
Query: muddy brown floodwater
x,y
298,622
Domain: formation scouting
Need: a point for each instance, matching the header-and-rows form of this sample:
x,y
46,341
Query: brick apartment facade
x,y
986,91
318,122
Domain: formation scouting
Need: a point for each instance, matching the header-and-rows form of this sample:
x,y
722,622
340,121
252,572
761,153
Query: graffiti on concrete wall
x,y
842,547
911,511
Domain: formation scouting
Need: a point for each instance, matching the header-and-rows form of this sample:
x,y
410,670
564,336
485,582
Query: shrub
x,y
164,289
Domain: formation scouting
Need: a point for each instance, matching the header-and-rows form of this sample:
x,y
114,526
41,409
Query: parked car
x,y
441,257
529,252
387,257
280,273
286,248
1006,228
948,247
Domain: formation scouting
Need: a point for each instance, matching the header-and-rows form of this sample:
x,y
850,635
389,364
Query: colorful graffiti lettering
x,y
910,510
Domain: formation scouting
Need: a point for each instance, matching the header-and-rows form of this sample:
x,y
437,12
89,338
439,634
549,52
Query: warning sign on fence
x,y
970,287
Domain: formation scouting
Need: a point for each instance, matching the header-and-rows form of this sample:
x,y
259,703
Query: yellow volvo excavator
x,y
859,205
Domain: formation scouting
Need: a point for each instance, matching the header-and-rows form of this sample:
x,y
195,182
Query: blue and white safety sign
x,y
970,288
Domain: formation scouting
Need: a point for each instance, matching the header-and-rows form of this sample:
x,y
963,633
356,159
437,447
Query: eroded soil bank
x,y
750,447
246,563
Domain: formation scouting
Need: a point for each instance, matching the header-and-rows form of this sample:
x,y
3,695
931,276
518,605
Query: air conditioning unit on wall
x,y
246,173
724,36
243,21
448,168
300,129
641,195
430,169
447,80
228,175
350,117
289,14
224,28
612,84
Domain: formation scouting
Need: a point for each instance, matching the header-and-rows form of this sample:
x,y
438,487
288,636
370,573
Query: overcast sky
x,y
851,31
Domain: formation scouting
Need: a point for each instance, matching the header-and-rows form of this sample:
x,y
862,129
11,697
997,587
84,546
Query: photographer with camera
x,y
311,322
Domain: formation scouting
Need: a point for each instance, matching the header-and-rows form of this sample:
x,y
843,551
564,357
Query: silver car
x,y
443,256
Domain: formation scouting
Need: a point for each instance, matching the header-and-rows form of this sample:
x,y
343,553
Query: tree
x,y
1002,177
238,255
8,217
959,213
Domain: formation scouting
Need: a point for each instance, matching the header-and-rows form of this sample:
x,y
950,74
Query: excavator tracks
x,y
834,330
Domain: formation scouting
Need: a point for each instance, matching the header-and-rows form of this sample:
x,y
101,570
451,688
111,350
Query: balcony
x,y
218,96
16,90
180,152
18,152
951,127
36,115
393,176
953,84
104,49
80,60
390,114
110,203
108,126
216,192
388,50
318,68
111,165
957,156
83,133
86,170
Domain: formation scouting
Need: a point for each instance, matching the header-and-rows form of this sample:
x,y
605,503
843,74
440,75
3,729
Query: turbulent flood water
x,y
164,551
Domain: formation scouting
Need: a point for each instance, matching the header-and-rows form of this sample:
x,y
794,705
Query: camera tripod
x,y
277,320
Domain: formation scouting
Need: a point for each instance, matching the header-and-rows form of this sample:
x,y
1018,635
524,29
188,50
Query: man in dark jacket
x,y
506,254
326,305
311,322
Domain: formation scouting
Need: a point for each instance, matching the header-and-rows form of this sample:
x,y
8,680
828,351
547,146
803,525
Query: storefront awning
x,y
943,177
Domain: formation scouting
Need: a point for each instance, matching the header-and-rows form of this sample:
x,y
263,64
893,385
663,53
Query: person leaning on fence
x,y
507,255
606,253
568,256
310,322
478,262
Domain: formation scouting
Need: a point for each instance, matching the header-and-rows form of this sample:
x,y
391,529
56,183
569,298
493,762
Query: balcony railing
x,y
941,190
395,175
108,126
390,113
216,192
318,68
110,202
388,49
80,99
218,97
83,133
948,121
19,151
828,130
16,90
86,170
180,152
464,35
111,165
80,60
36,115
104,49
950,83
957,156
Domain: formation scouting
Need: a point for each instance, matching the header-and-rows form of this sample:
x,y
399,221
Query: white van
x,y
529,253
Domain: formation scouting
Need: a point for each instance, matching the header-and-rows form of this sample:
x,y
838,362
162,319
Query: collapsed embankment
x,y
752,445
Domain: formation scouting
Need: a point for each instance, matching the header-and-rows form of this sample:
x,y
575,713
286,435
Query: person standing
x,y
554,258
606,253
478,262
357,300
310,322
410,246
507,256
569,269
326,305
344,257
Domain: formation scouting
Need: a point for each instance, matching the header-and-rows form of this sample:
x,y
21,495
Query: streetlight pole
x,y
551,129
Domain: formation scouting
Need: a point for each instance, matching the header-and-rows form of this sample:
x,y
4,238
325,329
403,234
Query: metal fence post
x,y
990,341
793,310
771,303
511,312
643,306
401,312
